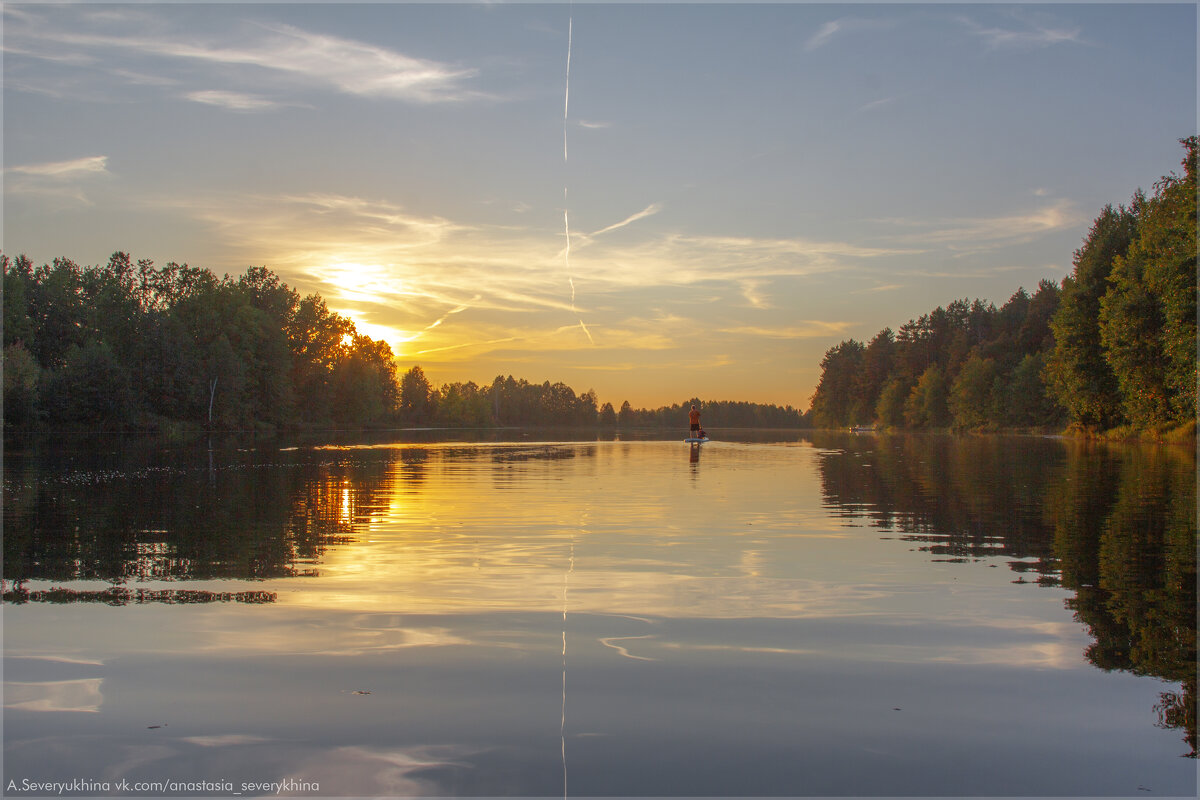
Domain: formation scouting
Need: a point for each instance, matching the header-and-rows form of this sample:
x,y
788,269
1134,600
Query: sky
x,y
657,202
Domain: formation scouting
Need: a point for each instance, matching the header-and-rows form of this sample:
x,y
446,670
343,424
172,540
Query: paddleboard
x,y
696,441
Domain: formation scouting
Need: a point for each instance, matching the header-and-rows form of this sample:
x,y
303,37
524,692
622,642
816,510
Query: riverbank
x,y
1180,434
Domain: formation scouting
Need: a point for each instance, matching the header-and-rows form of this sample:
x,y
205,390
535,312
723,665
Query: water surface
x,y
781,616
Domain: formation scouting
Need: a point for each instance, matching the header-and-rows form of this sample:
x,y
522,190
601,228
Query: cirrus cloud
x,y
273,51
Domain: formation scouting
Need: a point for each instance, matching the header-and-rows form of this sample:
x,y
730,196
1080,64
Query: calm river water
x,y
785,615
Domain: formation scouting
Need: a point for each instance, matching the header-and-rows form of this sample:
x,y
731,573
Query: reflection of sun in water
x,y
344,516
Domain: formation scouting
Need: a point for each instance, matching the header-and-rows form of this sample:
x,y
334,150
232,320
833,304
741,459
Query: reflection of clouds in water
x,y
466,588
379,771
60,659
1005,642
128,760
332,634
225,740
1040,655
238,758
608,642
72,695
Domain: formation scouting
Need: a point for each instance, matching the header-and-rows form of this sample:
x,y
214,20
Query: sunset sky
x,y
711,197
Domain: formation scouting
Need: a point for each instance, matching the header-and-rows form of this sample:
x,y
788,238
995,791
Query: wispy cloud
x,y
839,27
308,59
876,104
234,101
823,35
1027,34
805,329
978,234
61,183
754,297
88,165
353,67
446,291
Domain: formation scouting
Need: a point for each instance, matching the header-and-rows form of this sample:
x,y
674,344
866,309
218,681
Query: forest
x,y
1112,348
131,346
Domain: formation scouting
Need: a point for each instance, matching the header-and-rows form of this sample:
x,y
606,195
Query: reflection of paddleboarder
x,y
694,419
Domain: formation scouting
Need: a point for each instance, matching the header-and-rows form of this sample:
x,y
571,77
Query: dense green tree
x,y
1148,315
972,397
1115,343
927,403
22,379
625,415
464,404
587,410
1077,373
873,373
56,313
364,383
836,402
889,411
17,276
90,386
318,338
1024,399
263,290
129,344
417,399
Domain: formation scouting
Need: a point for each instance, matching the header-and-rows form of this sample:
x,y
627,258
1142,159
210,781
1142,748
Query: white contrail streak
x,y
648,211
566,204
567,90
562,731
448,314
567,251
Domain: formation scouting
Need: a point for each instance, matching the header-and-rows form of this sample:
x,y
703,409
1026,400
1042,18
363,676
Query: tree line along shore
x,y
1111,351
131,346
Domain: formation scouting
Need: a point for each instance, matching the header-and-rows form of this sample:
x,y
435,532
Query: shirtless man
x,y
694,419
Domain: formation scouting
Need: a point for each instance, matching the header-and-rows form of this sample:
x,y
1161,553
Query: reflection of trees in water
x,y
341,497
511,465
1125,530
1114,524
120,596
960,498
254,515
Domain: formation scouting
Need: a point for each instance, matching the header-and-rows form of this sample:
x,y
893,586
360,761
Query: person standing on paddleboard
x,y
694,419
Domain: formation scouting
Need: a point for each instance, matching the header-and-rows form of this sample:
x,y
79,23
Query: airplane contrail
x,y
448,314
648,211
566,205
567,90
562,731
